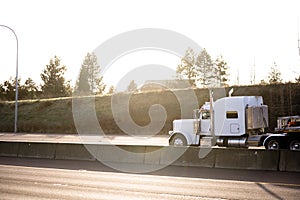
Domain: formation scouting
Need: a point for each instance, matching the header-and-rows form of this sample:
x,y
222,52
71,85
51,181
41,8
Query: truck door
x,y
205,122
234,128
233,116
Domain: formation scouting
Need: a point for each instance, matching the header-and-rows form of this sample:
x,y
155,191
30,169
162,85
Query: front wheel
x,y
294,145
178,140
272,144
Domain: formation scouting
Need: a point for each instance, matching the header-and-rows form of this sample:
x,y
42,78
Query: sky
x,y
247,33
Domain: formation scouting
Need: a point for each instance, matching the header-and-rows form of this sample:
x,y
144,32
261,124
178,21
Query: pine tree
x,y
111,90
2,92
54,81
31,89
297,80
206,72
186,69
82,85
100,85
274,76
9,89
222,71
90,80
132,87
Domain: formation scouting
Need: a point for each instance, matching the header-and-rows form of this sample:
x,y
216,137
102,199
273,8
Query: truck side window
x,y
232,115
205,115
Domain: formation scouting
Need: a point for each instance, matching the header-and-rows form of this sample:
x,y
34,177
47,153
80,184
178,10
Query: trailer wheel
x,y
178,140
272,144
294,144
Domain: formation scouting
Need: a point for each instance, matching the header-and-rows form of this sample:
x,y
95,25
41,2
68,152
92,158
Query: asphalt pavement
x,y
61,179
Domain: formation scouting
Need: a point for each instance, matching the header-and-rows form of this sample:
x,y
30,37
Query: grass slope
x,y
56,115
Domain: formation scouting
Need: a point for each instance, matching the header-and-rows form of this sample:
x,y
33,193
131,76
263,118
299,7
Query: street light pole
x,y
17,85
298,37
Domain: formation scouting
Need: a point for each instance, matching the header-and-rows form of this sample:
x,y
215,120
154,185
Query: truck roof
x,y
240,100
234,101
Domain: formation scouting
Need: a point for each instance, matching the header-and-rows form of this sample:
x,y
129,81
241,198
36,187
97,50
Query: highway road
x,y
77,139
160,140
61,179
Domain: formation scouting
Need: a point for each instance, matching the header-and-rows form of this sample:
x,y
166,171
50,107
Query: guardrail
x,y
253,159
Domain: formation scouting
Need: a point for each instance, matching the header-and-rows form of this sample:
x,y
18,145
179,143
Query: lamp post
x,y
17,58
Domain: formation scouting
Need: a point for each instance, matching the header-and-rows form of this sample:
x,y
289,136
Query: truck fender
x,y
188,139
272,135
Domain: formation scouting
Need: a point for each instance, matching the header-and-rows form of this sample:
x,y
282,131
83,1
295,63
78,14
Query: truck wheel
x,y
272,144
178,140
294,144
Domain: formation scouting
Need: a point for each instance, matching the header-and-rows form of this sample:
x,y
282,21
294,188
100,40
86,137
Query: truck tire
x,y
294,145
178,140
273,144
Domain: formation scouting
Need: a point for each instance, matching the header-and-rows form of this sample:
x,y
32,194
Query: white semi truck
x,y
238,121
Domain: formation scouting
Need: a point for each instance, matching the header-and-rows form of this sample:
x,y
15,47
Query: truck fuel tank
x,y
232,142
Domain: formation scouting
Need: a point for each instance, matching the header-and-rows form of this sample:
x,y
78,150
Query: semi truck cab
x,y
230,121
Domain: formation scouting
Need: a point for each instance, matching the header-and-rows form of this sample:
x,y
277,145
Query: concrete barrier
x,y
197,157
132,159
9,149
254,159
171,154
36,150
120,154
247,159
289,161
153,155
188,156
73,152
